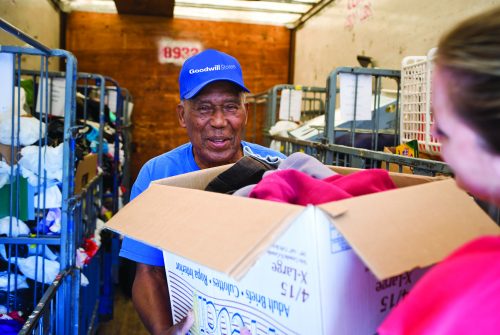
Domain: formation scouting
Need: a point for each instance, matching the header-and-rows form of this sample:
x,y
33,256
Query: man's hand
x,y
151,299
183,326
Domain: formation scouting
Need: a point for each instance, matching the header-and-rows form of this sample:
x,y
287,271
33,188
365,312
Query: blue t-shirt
x,y
175,162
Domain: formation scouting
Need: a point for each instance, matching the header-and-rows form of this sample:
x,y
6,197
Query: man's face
x,y
215,120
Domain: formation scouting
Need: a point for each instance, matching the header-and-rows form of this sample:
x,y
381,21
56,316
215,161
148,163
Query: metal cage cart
x,y
341,155
360,113
256,109
117,188
114,101
113,161
86,201
91,119
288,103
52,143
38,228
91,110
115,104
126,130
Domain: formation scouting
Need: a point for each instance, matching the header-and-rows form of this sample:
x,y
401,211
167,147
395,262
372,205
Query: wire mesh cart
x,y
53,141
360,113
286,105
38,186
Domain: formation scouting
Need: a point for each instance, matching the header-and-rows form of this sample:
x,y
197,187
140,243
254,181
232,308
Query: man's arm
x,y
151,299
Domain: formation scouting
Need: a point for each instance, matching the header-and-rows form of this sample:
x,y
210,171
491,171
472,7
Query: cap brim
x,y
198,88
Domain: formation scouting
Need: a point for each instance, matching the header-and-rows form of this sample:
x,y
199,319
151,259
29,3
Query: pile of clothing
x,y
31,177
299,179
88,111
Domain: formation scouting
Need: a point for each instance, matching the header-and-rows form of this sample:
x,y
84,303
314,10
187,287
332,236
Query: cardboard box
x,y
286,269
85,172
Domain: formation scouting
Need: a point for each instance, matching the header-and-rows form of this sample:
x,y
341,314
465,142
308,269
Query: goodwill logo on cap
x,y
205,68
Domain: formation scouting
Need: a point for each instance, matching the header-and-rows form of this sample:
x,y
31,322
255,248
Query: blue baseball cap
x,y
205,68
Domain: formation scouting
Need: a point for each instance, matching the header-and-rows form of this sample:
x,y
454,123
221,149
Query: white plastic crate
x,y
416,112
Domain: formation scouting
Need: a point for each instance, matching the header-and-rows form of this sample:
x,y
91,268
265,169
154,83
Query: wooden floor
x,y
125,318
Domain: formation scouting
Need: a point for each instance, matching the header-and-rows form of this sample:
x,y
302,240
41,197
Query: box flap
x,y
224,232
404,180
195,180
399,230
400,179
200,179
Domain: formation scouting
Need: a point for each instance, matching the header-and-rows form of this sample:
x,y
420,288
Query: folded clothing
x,y
247,170
295,187
269,159
296,161
307,164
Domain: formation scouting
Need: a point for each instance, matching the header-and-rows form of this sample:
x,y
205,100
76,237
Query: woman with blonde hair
x,y
461,295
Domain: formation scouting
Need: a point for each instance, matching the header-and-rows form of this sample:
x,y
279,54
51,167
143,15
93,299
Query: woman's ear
x,y
181,114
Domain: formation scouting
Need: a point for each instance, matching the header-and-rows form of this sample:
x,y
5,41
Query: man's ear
x,y
246,113
180,114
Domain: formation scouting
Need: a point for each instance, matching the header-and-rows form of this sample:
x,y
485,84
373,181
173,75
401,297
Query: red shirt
x,y
460,295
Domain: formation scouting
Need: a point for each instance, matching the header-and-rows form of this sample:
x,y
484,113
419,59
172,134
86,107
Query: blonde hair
x,y
470,56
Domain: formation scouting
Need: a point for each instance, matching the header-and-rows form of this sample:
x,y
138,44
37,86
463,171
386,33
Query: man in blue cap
x,y
212,110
